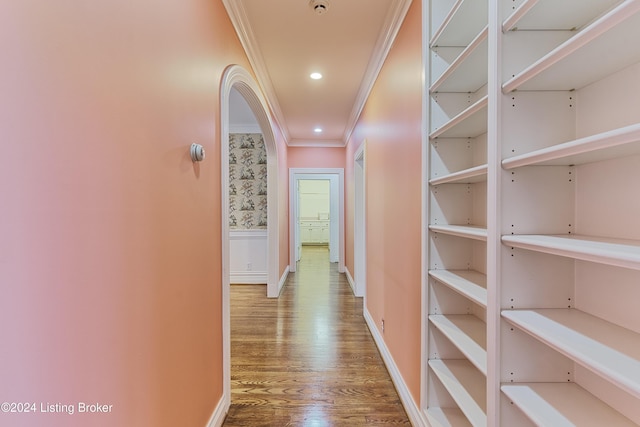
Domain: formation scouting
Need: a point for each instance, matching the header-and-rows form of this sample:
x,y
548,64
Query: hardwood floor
x,y
307,358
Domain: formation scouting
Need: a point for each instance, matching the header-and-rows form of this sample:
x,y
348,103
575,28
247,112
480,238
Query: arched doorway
x,y
237,78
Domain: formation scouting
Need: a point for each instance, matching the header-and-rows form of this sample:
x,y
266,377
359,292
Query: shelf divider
x,y
467,231
517,15
471,284
593,32
470,122
616,252
607,145
467,60
562,405
466,385
462,24
447,417
467,176
467,333
611,351
554,15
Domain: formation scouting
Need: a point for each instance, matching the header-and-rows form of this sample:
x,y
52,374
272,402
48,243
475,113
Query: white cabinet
x,y
314,232
533,204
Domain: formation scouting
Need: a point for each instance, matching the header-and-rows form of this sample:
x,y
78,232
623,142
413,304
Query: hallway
x,y
307,358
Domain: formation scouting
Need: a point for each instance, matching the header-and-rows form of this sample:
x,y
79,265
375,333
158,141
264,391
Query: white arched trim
x,y
238,78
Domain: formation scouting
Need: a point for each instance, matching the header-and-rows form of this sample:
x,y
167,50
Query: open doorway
x,y
314,202
335,217
248,203
238,81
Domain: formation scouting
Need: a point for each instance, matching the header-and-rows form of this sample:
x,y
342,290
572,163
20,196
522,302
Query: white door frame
x,y
336,176
359,223
240,79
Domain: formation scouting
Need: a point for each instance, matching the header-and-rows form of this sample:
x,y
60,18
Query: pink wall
x,y
391,124
109,235
316,157
313,157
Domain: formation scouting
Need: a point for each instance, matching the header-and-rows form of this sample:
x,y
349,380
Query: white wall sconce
x,y
197,152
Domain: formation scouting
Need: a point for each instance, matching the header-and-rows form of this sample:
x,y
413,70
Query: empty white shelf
x,y
563,405
470,123
469,71
556,15
468,283
463,23
616,252
467,333
466,385
616,143
467,176
572,65
606,349
468,231
447,417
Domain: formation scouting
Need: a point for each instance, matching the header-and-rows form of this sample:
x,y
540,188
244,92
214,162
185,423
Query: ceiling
x,y
287,40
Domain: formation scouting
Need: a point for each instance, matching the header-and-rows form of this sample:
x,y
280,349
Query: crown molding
x,y
392,25
240,20
320,143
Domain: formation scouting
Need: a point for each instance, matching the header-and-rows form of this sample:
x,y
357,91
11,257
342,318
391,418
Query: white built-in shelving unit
x,y
457,232
533,287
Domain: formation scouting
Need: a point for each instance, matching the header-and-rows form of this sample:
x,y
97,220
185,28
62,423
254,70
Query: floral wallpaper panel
x,y
247,181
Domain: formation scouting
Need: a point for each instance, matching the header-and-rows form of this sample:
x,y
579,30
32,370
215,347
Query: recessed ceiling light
x,y
317,130
315,76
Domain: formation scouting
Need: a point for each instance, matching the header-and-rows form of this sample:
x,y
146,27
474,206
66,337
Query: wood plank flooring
x,y
307,358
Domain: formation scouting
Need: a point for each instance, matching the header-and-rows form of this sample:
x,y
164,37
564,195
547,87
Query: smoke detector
x,y
319,6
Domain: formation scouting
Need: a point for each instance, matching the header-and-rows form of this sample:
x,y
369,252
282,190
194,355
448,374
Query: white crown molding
x,y
390,29
240,21
312,143
393,22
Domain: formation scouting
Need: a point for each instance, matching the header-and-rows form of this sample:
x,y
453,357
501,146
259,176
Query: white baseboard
x,y
219,413
283,279
413,411
248,277
350,280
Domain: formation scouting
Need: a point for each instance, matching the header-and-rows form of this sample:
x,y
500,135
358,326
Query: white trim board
x,y
350,280
219,413
248,277
283,279
241,234
413,411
